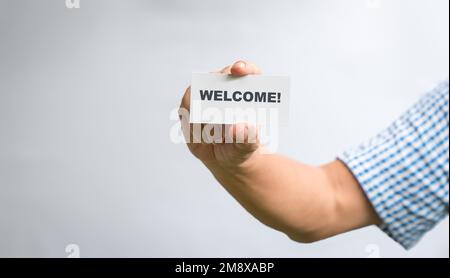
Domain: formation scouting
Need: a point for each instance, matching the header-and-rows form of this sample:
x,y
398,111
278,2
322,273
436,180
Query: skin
x,y
307,203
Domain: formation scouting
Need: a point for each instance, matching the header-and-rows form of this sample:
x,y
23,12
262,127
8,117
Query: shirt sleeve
x,y
404,170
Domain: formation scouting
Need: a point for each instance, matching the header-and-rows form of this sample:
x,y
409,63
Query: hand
x,y
244,137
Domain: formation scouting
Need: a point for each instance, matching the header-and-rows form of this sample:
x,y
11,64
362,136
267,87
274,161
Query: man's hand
x,y
244,137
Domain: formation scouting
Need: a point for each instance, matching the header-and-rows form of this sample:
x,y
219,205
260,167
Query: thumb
x,y
242,68
245,136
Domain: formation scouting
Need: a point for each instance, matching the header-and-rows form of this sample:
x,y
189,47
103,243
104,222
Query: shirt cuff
x,y
396,223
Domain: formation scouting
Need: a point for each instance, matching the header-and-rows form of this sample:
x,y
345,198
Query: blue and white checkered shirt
x,y
404,169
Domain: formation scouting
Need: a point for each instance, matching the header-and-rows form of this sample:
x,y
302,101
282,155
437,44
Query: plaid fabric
x,y
404,169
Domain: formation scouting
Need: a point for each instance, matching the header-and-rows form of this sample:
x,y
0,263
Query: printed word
x,y
237,96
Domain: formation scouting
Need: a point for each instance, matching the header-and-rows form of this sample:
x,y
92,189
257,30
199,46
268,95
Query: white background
x,y
85,98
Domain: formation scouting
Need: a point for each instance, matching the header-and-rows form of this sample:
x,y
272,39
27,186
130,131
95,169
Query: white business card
x,y
226,99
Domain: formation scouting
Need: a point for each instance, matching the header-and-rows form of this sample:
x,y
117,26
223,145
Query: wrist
x,y
243,166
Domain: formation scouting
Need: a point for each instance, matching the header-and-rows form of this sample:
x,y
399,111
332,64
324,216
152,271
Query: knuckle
x,y
185,101
226,70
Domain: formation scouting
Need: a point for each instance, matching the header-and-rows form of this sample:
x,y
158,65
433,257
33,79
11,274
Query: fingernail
x,y
240,64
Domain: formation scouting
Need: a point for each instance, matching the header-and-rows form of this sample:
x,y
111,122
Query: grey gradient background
x,y
85,97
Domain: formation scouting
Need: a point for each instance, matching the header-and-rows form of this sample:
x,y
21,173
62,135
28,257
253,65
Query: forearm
x,y
307,203
289,196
